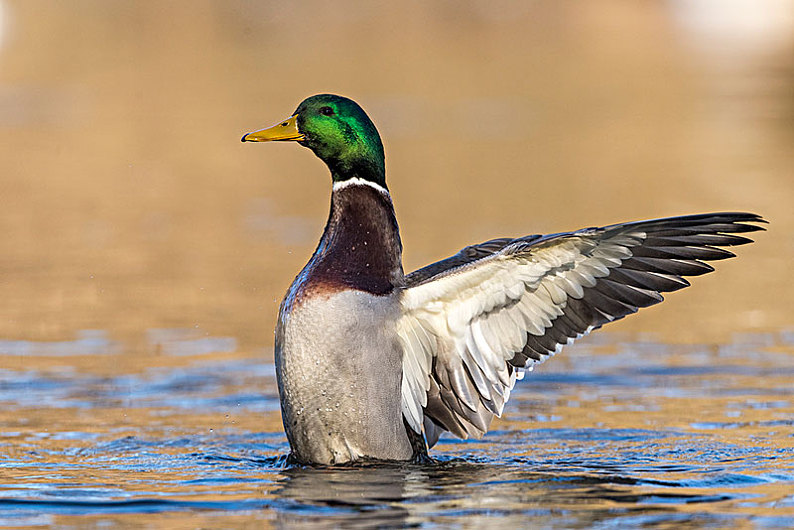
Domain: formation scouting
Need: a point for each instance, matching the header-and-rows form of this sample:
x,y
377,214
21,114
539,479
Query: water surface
x,y
620,432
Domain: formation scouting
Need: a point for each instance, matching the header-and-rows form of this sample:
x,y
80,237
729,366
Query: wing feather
x,y
472,323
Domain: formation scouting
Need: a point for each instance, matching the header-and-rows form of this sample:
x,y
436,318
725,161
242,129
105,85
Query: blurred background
x,y
133,219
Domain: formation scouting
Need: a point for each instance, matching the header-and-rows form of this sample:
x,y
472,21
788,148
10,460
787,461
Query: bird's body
x,y
375,364
338,357
339,367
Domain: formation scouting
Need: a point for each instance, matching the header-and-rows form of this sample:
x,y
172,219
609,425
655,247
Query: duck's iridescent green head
x,y
338,131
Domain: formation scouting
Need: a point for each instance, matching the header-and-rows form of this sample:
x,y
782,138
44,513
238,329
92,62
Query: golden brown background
x,y
129,204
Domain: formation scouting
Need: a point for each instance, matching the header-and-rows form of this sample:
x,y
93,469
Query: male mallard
x,y
372,363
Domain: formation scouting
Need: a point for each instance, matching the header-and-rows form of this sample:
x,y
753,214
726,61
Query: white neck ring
x,y
357,181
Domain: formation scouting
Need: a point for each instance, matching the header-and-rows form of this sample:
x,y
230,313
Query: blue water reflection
x,y
572,450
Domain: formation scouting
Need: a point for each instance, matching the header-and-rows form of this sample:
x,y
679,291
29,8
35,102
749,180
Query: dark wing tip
x,y
746,217
671,249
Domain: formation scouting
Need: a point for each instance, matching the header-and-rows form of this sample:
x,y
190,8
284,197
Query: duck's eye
x,y
326,111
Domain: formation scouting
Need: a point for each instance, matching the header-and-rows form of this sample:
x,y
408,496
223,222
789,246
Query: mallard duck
x,y
375,364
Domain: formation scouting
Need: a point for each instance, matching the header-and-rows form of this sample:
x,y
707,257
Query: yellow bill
x,y
285,131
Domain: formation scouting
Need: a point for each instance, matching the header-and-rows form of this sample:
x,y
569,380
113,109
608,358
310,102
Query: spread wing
x,y
474,322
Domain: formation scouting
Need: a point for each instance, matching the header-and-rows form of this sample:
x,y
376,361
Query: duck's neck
x,y
360,248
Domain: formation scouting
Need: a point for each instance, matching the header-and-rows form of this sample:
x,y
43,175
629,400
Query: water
x,y
616,432
145,249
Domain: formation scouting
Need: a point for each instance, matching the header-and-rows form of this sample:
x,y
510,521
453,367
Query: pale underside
x,y
338,369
